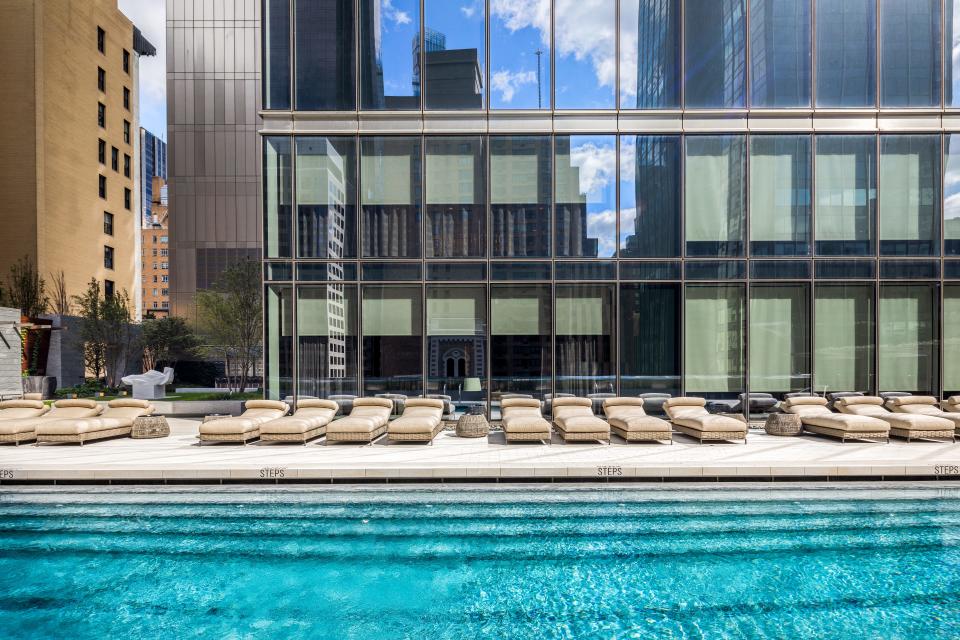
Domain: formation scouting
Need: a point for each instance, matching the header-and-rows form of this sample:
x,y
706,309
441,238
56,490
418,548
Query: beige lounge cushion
x,y
276,405
846,422
872,406
316,403
354,424
905,400
432,403
378,413
685,407
611,405
297,423
927,410
640,424
710,423
522,415
420,415
64,409
230,426
19,409
19,425
85,403
82,425
131,403
22,404
373,402
575,415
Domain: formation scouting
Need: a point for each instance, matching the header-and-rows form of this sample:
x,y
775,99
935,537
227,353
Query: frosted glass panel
x,y
780,195
951,339
909,195
779,342
908,342
715,195
713,339
386,179
843,338
845,195
515,316
514,178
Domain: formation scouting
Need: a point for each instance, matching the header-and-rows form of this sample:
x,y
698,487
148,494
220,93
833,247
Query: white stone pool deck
x,y
179,459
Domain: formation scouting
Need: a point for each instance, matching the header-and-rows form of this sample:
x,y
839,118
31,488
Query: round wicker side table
x,y
472,426
783,424
150,427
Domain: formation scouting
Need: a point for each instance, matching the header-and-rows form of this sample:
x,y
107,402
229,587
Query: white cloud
x,y
150,17
520,14
392,13
508,82
598,166
468,11
603,226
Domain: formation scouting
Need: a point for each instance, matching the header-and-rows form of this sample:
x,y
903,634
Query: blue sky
x,y
150,17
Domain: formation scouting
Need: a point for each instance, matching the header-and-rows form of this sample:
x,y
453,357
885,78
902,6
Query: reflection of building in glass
x,y
153,163
657,198
572,215
432,41
657,53
520,196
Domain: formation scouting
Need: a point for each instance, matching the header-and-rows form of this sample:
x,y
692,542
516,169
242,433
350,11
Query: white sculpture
x,y
150,385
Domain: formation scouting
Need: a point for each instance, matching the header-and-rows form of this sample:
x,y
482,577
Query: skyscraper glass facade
x,y
153,163
702,197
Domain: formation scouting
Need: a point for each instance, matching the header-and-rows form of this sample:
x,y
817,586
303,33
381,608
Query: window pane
x,y
278,350
908,346
843,337
715,215
586,196
910,195
325,55
846,53
649,196
453,56
715,53
326,198
780,195
910,53
780,53
278,197
584,341
390,196
388,36
649,339
846,195
327,334
951,54
392,340
456,197
649,54
586,56
520,328
951,340
779,338
520,54
456,333
951,195
713,339
276,47
520,189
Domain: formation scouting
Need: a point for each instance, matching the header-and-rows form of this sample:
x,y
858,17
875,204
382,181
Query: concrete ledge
x,y
191,408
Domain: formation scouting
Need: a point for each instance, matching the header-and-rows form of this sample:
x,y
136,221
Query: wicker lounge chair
x,y
902,425
522,420
17,430
924,405
575,421
421,421
116,420
309,421
367,421
628,420
245,427
18,419
817,418
952,404
690,417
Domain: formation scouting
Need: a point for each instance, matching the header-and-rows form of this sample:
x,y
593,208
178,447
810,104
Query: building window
x,y
276,45
108,223
326,197
155,279
520,59
650,196
388,81
584,326
278,344
583,205
846,53
155,304
126,61
154,241
126,198
163,239
911,80
164,253
780,53
126,132
390,196
326,61
126,98
650,44
521,320
103,186
580,84
164,279
101,80
715,54
278,197
101,40
102,151
108,257
909,195
908,344
456,197
846,195
164,265
154,253
650,338
102,115
126,165
393,329
779,342
114,158
453,59
716,202
713,323
108,288
456,333
520,196
780,181
164,292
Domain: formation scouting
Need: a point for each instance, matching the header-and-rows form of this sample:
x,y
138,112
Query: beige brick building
x,y
68,147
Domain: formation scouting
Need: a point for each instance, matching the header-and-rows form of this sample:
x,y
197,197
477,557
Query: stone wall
x,y
10,350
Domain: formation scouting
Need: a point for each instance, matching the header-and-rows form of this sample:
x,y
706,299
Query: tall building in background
x,y
213,98
69,157
153,164
155,253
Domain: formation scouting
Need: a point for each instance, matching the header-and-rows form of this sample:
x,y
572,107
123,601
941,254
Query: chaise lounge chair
x,y
18,417
952,404
367,421
926,406
421,421
245,427
575,421
522,420
690,417
116,420
628,420
902,425
309,421
817,418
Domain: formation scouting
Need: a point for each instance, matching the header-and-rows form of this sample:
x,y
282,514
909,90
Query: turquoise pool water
x,y
534,561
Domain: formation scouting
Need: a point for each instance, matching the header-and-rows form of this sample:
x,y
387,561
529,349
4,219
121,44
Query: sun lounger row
x,y
76,421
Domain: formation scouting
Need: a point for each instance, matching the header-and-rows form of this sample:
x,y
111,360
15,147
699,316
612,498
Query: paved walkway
x,y
178,458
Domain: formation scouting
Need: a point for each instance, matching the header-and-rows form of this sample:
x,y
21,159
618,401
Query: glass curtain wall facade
x,y
671,196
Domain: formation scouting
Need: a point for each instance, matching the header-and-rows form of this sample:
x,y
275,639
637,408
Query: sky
x,y
150,17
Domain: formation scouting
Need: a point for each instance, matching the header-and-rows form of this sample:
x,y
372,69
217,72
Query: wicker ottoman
x,y
472,426
150,427
783,424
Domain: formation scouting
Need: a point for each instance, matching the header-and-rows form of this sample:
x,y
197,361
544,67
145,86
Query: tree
x,y
230,320
26,290
106,331
166,340
60,304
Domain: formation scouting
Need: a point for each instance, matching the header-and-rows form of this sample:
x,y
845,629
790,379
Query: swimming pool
x,y
526,561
